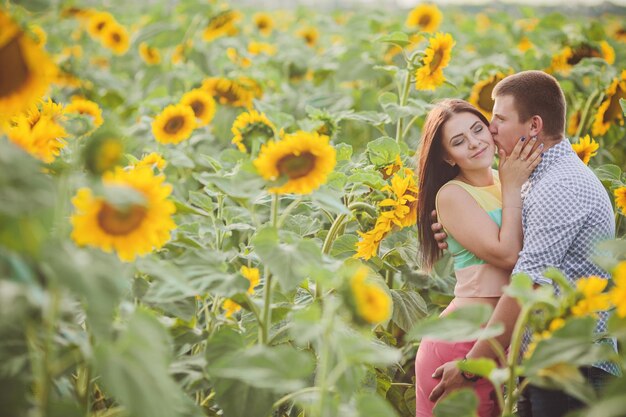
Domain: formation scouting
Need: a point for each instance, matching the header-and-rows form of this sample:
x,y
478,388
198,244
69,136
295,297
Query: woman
x,y
481,211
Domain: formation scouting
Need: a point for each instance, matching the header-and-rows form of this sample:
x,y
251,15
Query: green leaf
x,y
461,325
241,184
371,117
238,399
610,253
344,246
196,273
571,344
134,369
566,377
370,404
397,38
371,179
383,151
622,103
358,349
288,261
279,368
307,324
608,172
521,287
408,308
481,366
330,200
461,403
344,151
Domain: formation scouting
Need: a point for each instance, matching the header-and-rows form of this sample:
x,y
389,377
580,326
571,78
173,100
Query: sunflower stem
x,y
586,111
404,96
267,288
618,221
516,341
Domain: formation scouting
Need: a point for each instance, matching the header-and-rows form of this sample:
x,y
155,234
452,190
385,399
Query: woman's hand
x,y
515,169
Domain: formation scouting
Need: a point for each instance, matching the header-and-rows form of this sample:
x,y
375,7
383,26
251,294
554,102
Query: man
x,y
565,212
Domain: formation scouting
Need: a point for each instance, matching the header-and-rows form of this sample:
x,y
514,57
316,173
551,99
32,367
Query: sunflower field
x,y
209,210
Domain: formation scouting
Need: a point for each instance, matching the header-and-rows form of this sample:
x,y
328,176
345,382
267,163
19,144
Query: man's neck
x,y
549,142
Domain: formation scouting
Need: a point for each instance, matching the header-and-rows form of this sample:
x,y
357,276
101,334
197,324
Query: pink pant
x,y
434,353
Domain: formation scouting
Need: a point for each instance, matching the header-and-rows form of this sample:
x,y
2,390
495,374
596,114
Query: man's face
x,y
505,126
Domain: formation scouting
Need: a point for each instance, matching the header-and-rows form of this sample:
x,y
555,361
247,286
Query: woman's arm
x,y
472,227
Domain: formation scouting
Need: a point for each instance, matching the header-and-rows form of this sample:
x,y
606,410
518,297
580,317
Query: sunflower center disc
x,y
174,124
424,21
14,74
120,222
198,108
296,166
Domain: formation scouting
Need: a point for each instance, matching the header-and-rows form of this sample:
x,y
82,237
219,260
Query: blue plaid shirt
x,y
566,211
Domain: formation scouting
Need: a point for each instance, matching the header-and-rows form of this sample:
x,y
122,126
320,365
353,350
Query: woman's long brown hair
x,y
433,172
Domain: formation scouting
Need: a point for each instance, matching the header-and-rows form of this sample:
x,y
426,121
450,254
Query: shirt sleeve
x,y
552,221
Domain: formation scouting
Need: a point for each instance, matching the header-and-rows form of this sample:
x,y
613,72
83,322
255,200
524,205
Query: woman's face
x,y
467,142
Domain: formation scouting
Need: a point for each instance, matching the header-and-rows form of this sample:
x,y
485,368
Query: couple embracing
x,y
542,208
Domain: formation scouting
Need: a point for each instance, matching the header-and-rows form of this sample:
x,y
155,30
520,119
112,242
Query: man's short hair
x,y
536,93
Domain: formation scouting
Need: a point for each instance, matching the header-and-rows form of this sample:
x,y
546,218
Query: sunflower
x,y
620,34
174,124
394,50
618,292
620,199
152,160
115,37
436,58
202,104
237,59
150,55
264,23
480,96
98,22
136,227
524,44
607,52
573,122
572,55
39,132
40,35
310,35
586,148
252,275
426,17
230,307
593,298
250,128
228,92
178,55
367,247
256,48
222,24
610,111
303,159
26,71
86,107
103,153
373,304
560,61
392,168
402,204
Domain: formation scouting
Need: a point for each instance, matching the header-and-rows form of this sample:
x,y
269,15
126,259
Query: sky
x,y
409,3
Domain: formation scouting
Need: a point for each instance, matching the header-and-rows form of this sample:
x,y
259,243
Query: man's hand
x,y
451,380
437,228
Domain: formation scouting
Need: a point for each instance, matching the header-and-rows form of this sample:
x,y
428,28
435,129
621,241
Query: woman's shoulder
x,y
452,191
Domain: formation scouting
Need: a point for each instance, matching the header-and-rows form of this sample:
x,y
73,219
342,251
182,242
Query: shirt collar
x,y
552,155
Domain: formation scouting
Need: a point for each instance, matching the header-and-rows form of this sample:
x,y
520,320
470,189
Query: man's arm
x,y
506,312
